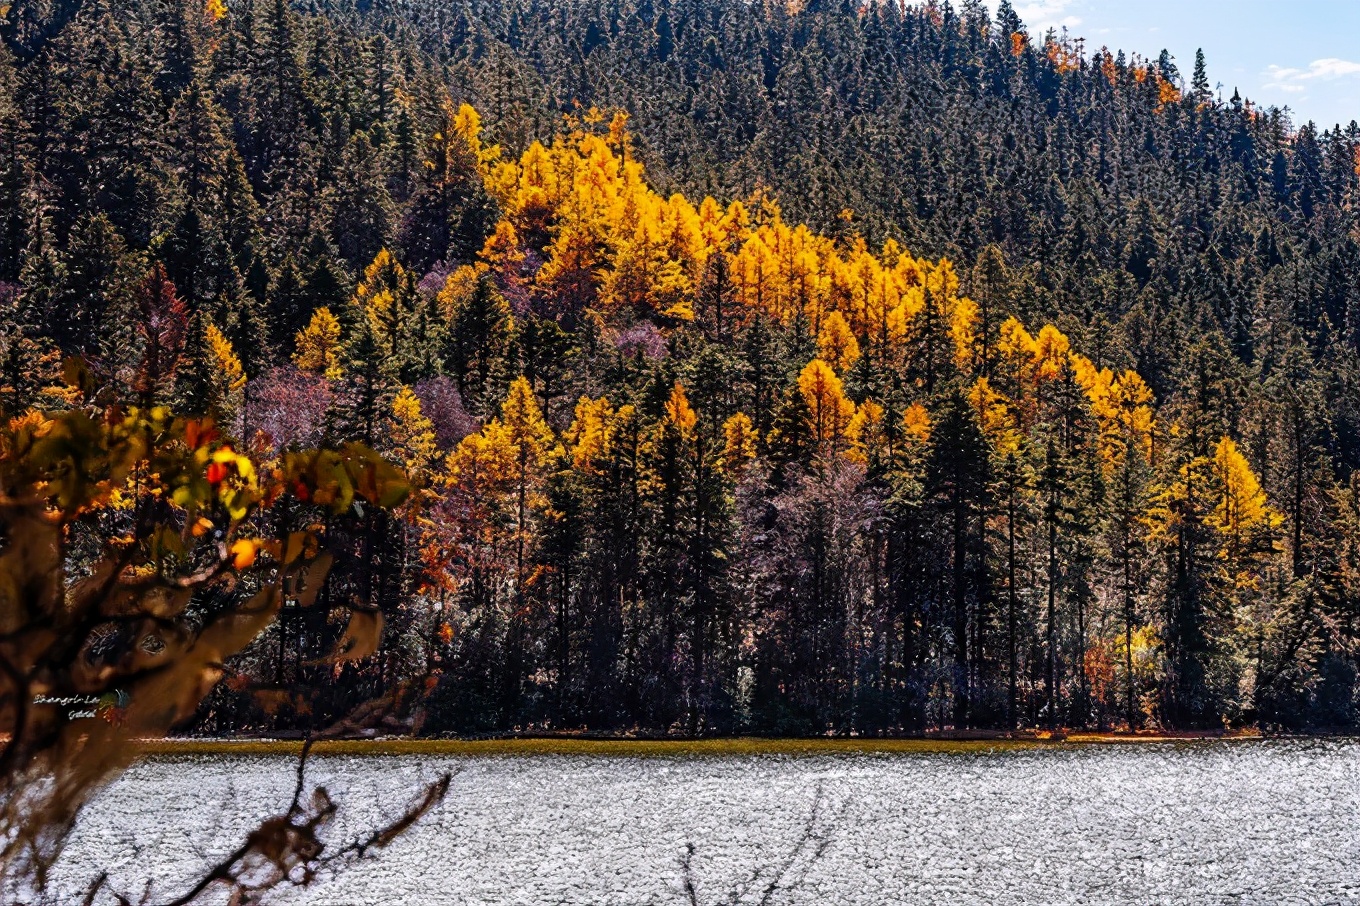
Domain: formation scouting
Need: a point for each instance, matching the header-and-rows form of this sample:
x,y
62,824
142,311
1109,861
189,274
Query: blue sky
x,y
1304,54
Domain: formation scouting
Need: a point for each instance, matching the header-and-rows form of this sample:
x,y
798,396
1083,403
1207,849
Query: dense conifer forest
x,y
758,367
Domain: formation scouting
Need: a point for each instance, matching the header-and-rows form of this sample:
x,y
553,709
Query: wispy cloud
x,y
1041,15
1295,81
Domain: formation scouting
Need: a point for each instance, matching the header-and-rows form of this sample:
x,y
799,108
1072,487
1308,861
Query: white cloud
x,y
1293,80
1041,15
1332,68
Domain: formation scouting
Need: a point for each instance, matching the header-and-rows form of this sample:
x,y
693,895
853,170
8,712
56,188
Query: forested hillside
x,y
779,368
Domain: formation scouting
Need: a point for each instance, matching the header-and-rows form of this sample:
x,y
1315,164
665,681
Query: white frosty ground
x,y
1267,823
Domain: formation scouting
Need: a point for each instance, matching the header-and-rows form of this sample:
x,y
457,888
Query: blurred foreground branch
x,y
138,552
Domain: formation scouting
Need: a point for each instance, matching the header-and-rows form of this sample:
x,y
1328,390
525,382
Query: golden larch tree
x,y
318,345
829,409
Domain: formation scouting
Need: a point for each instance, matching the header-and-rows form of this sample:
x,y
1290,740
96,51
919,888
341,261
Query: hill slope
x,y
690,465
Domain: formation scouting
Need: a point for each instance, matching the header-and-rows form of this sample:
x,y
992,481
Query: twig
x,y
301,774
685,863
776,883
302,841
808,828
381,837
94,888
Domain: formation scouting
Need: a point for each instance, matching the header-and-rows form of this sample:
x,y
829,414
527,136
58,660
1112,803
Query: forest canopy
x,y
765,368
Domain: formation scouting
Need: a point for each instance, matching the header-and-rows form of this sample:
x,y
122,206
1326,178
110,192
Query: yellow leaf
x,y
243,553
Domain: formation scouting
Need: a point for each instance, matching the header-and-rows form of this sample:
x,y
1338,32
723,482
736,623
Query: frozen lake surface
x,y
1204,823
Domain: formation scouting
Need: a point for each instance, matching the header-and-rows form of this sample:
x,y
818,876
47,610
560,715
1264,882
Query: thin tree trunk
x,y
1051,628
963,693
1011,614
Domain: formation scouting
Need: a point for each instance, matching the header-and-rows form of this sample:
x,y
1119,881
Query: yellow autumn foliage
x,y
829,410
836,343
739,443
678,411
318,345
410,433
233,376
1242,506
868,434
